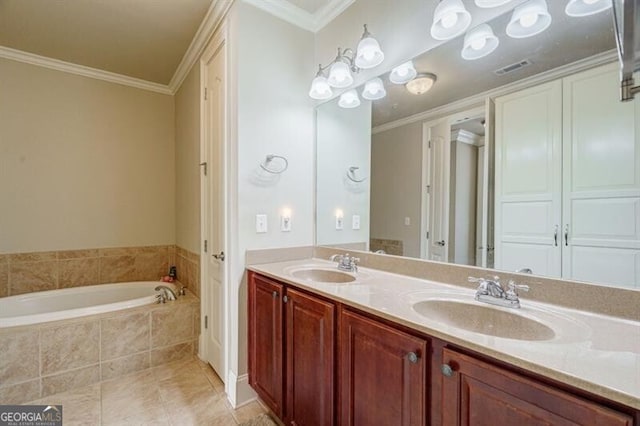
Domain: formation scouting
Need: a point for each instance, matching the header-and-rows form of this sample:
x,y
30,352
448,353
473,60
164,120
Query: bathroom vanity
x,y
375,348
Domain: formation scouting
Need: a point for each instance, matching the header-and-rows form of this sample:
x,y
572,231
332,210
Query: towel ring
x,y
268,159
351,174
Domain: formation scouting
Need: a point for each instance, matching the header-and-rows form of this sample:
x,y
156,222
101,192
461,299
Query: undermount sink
x,y
323,275
484,319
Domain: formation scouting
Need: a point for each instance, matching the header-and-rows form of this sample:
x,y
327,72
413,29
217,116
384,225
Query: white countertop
x,y
597,353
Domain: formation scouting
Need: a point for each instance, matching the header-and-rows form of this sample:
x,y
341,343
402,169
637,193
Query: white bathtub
x,y
44,306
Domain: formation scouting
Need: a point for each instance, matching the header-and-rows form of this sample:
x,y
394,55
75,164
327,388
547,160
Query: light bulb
x,y
340,75
478,43
579,8
529,19
320,88
590,1
402,73
449,20
374,89
349,99
368,53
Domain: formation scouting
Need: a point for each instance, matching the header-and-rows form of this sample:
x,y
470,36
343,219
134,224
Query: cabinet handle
x,y
447,370
285,298
275,294
555,237
413,357
566,235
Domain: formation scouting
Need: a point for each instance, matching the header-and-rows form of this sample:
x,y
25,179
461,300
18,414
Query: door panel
x,y
440,137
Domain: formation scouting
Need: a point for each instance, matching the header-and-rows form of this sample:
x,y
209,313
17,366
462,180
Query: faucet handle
x,y
161,298
513,286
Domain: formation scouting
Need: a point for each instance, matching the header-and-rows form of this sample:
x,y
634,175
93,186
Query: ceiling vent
x,y
513,67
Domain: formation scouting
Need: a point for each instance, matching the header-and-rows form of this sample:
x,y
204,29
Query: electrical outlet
x,y
355,221
407,221
261,223
285,223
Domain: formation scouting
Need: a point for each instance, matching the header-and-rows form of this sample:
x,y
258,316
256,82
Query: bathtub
x,y
53,305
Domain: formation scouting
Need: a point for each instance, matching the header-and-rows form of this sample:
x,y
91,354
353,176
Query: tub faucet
x,y
166,293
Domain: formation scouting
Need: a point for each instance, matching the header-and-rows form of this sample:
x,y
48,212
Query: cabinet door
x,y
528,137
310,360
265,341
601,167
478,393
382,374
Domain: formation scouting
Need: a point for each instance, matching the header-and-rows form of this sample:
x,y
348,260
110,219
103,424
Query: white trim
x,y
299,17
68,67
239,392
464,136
211,22
479,99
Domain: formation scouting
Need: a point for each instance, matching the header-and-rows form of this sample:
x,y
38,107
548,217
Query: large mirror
x,y
523,160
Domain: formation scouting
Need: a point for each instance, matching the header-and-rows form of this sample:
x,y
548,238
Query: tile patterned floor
x,y
178,394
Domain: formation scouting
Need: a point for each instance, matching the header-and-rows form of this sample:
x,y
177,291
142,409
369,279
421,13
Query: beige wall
x,y
83,163
396,178
187,116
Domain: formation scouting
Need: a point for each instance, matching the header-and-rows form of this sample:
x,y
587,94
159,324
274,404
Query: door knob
x,y
219,256
440,243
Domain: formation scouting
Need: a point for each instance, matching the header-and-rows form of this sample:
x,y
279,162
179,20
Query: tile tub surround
x,y
45,359
188,265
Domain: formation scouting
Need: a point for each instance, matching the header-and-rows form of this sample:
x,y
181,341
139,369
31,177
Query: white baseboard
x,y
239,392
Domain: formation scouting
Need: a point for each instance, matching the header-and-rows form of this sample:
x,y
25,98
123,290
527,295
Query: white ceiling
x,y
311,15
145,39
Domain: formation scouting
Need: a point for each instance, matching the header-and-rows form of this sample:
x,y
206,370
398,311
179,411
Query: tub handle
x,y
161,298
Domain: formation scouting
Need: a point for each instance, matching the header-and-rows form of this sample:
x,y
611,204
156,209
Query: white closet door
x,y
601,207
528,180
440,137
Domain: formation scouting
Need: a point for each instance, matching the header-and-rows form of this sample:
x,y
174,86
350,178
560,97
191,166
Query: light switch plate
x,y
355,221
407,221
339,223
261,223
285,223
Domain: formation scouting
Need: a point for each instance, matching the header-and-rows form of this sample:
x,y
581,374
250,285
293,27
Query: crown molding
x,y
211,22
465,136
479,99
56,64
312,22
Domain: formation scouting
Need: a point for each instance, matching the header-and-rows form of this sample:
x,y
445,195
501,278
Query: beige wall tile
x,y
39,256
151,267
126,365
116,269
196,322
68,380
69,346
171,353
27,277
78,272
20,393
4,276
77,254
19,357
171,325
124,335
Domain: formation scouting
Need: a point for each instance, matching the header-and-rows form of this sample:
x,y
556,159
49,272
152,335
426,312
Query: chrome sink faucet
x,y
166,293
491,291
346,263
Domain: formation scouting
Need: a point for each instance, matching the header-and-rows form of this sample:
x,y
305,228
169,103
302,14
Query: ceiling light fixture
x,y
421,84
479,42
450,20
374,89
491,3
340,75
579,8
403,73
529,19
349,99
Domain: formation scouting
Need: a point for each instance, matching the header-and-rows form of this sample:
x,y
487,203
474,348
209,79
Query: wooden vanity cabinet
x,y
474,392
383,374
291,352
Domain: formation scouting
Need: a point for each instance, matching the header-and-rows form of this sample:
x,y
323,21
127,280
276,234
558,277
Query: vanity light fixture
x,y
450,20
349,99
491,3
374,89
421,84
340,72
579,8
403,73
479,42
529,19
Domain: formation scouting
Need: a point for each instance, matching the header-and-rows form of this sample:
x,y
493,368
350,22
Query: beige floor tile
x,y
79,406
247,412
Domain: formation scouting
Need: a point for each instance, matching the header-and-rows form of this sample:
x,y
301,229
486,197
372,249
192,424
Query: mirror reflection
x,y
522,160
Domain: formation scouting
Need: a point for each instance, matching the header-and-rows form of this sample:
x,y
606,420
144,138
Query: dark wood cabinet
x,y
382,374
299,387
478,393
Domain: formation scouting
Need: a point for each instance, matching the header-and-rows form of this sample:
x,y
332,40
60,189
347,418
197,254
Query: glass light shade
x,y
349,99
529,19
491,3
403,73
450,20
374,89
421,84
479,42
320,88
580,8
340,75
368,53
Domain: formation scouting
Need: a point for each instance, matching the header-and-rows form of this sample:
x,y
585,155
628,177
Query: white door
x,y
528,143
481,213
440,156
213,208
601,184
